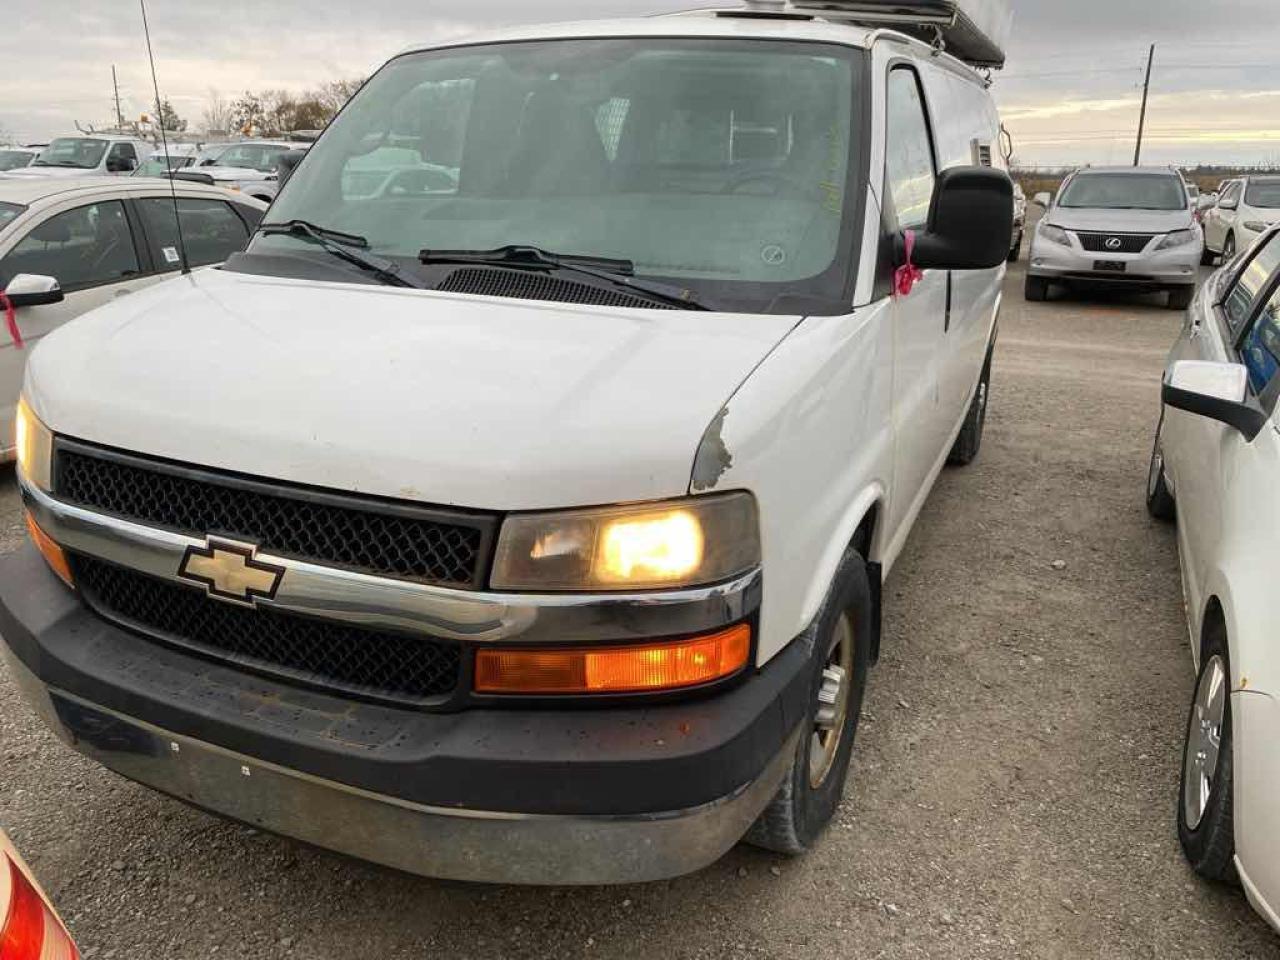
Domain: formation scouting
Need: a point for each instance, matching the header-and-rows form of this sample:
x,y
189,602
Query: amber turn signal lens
x,y
647,668
52,553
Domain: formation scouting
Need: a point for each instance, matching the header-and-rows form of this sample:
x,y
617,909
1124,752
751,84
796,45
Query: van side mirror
x,y
33,290
970,222
1043,200
1214,390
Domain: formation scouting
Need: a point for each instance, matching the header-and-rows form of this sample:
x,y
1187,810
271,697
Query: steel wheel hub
x,y
1204,741
832,704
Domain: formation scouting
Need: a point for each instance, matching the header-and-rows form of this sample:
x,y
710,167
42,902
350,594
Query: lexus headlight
x,y
34,445
1255,226
1179,238
677,543
1055,234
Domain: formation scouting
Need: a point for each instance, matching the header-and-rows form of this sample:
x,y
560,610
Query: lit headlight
x,y
678,543
1179,238
34,445
1055,234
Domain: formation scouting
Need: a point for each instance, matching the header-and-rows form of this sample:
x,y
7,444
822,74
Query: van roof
x,y
698,23
724,23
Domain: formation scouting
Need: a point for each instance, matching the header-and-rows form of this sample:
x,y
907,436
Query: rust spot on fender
x,y
713,457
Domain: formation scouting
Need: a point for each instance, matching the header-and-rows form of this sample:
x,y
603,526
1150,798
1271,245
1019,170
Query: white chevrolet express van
x,y
530,526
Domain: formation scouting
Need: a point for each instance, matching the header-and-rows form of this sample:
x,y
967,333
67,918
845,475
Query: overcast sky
x,y
1070,93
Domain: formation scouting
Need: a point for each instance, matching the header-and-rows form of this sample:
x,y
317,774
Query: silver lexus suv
x,y
1133,226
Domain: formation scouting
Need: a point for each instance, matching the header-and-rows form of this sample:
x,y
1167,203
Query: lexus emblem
x,y
1114,243
231,571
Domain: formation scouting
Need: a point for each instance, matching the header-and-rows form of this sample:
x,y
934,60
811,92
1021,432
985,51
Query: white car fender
x,y
810,433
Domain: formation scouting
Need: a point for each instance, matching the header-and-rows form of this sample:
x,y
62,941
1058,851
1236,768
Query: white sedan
x,y
67,246
1216,468
1245,209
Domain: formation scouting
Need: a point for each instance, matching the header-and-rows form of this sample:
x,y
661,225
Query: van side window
x,y
1239,301
909,166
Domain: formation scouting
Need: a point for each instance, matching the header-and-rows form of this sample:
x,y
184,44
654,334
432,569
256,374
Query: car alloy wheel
x,y
1204,741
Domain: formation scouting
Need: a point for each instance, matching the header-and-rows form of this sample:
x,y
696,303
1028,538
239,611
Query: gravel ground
x,y
1012,793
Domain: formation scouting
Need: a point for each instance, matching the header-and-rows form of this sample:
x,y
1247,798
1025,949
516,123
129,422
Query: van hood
x,y
43,173
231,173
1120,221
465,401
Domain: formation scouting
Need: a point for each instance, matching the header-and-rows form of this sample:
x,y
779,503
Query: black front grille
x,y
534,285
372,536
388,666
1114,242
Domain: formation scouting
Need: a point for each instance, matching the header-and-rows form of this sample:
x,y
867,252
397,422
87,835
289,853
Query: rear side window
x,y
85,247
211,230
1252,280
909,167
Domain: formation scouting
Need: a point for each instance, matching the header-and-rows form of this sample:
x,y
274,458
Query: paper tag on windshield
x,y
171,254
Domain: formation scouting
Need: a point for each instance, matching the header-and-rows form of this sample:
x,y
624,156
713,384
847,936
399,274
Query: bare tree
x,y
217,113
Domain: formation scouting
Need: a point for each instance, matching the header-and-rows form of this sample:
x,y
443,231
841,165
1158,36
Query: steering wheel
x,y
779,180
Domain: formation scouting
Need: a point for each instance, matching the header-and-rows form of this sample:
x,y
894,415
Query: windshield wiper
x,y
619,273
60,163
345,246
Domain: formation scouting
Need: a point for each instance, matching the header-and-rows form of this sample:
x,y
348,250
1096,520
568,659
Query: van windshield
x,y
723,166
80,152
1125,191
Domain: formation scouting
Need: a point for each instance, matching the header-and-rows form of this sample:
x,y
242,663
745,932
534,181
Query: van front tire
x,y
841,639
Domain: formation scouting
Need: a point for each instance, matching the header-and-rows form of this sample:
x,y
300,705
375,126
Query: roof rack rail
x,y
975,31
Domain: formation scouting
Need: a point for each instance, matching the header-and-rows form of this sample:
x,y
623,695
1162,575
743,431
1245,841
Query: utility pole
x,y
1142,120
116,86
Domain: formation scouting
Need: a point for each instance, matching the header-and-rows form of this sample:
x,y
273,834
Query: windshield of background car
x,y
78,152
1263,193
251,156
724,166
9,211
1124,191
14,159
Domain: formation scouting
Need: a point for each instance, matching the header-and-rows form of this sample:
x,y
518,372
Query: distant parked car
x,y
87,156
30,929
1019,221
67,246
161,164
247,166
1215,469
15,158
1130,226
1244,211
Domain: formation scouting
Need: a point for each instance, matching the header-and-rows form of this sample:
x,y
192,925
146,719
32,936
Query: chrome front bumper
x,y
456,844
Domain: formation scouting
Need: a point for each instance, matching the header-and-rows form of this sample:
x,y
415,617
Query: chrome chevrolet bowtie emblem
x,y
229,570
1114,243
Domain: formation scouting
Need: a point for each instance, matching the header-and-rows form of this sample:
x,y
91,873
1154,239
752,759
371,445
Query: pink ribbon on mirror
x,y
907,275
11,320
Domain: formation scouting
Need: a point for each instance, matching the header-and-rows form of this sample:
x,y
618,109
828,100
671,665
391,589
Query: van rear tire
x,y
1036,289
841,638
